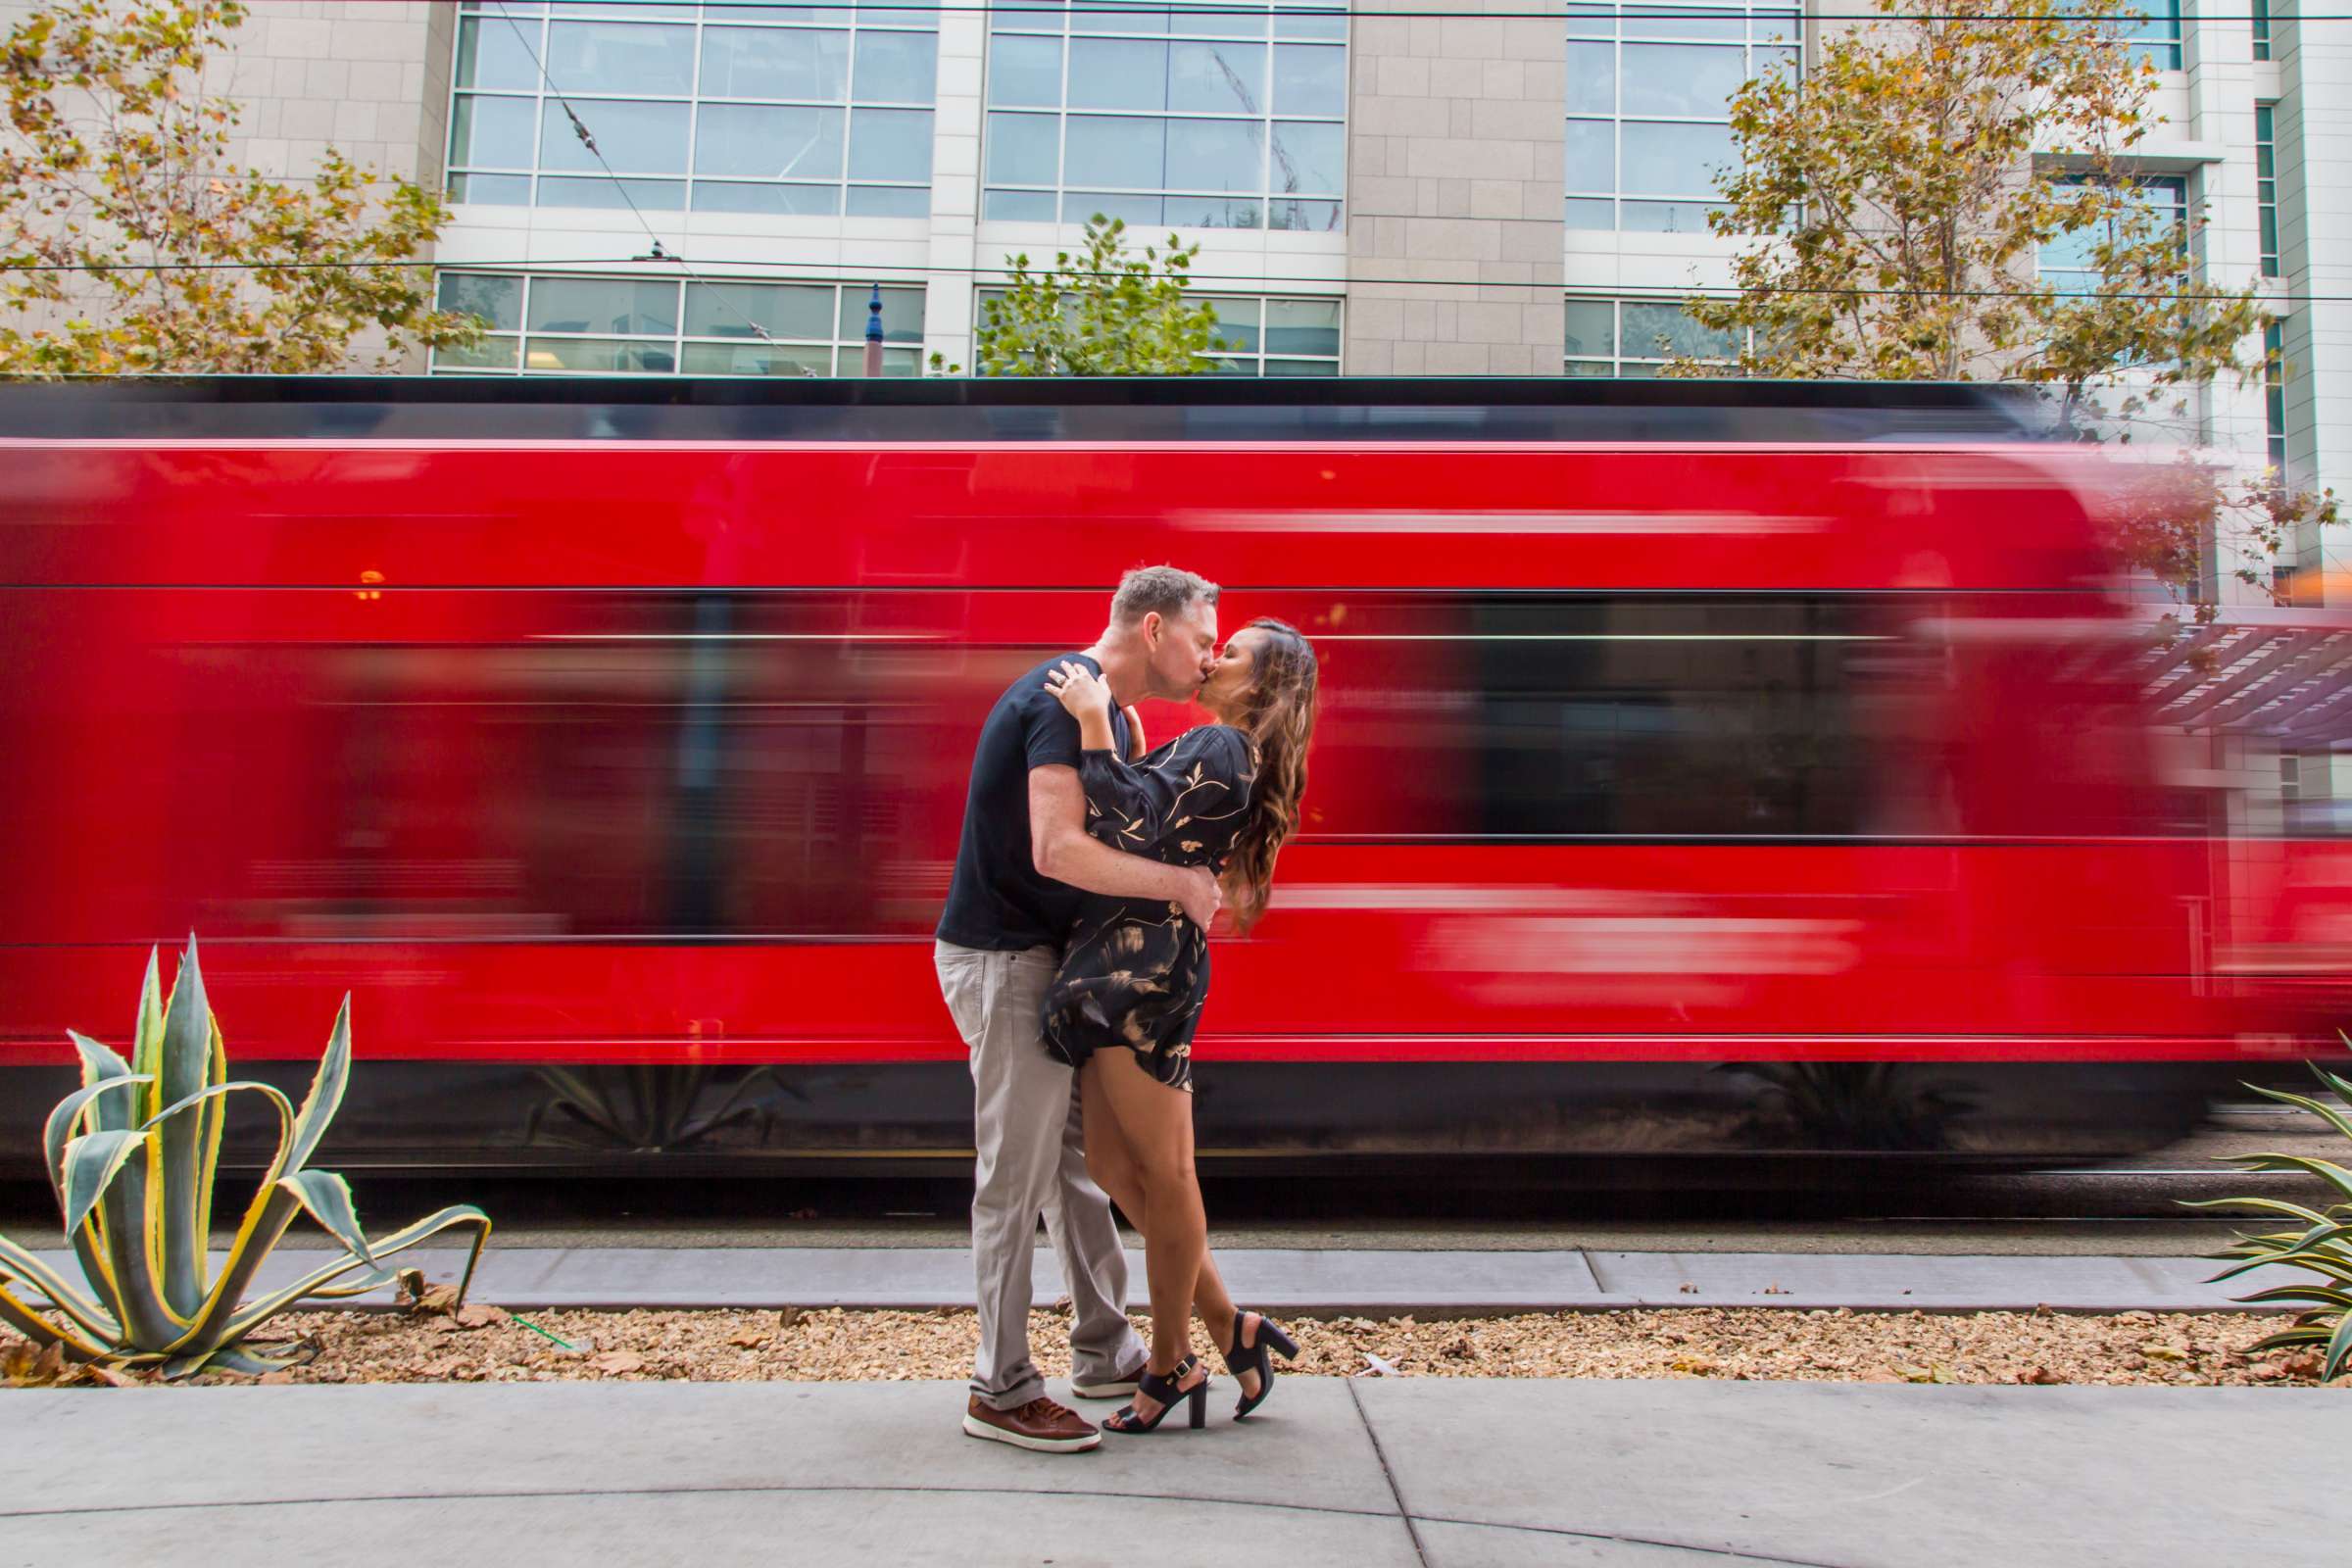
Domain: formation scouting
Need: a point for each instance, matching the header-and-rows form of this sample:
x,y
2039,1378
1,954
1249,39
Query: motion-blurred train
x,y
1703,767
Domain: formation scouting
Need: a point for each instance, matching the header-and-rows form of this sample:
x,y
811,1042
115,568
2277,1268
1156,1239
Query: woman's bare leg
x,y
1157,1122
1112,1162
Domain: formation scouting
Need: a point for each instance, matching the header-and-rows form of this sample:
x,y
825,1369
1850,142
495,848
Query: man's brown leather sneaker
x,y
1041,1424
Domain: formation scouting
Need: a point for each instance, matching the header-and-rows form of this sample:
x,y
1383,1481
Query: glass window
x,y
1310,79
897,68
498,301
1310,157
597,356
1025,150
1259,336
1648,103
492,53
2157,39
1215,79
1119,73
580,190
2262,30
1185,114
2266,184
2273,397
621,57
1024,73
565,323
2066,260
603,305
633,138
1128,151
493,132
1215,155
736,108
768,141
775,63
1637,337
746,310
902,315
891,144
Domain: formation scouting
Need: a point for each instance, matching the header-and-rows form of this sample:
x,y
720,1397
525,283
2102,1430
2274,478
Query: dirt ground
x,y
480,1343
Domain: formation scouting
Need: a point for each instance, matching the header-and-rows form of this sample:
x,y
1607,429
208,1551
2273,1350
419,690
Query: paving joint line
x,y
1729,1553
748,1488
1412,1530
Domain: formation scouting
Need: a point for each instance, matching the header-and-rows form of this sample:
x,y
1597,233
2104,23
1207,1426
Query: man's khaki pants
x,y
1027,1128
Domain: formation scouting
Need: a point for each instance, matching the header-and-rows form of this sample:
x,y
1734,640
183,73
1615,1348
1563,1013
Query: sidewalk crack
x,y
1420,1552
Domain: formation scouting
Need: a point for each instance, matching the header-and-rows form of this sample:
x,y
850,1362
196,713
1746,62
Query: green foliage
x,y
117,169
1100,313
2320,1243
1906,203
132,1155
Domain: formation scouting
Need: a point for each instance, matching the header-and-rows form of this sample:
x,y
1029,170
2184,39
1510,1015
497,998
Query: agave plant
x,y
132,1155
2321,1243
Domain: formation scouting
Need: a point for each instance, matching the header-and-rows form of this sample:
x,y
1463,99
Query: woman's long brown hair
x,y
1279,717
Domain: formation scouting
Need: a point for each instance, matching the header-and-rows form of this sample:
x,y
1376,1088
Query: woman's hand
x,y
1078,690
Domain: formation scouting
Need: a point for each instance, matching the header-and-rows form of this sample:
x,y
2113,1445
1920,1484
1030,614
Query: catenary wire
x,y
831,271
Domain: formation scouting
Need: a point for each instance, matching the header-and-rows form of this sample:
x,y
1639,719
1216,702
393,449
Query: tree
x,y
1102,313
128,241
1906,209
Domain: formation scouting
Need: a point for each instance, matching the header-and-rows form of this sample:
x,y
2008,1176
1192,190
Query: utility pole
x,y
873,332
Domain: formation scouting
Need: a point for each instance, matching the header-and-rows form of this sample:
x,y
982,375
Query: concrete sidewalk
x,y
1434,1473
1427,1282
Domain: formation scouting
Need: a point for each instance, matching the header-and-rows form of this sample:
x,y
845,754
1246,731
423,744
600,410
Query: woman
x,y
1128,997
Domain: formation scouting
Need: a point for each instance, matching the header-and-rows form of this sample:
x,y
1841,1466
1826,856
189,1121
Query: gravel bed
x,y
483,1344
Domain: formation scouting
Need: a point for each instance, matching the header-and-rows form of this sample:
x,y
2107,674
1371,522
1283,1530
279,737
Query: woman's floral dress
x,y
1135,971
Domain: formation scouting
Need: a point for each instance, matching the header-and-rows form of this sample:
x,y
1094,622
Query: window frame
x,y
853,18
1617,25
1073,205
1616,362
844,351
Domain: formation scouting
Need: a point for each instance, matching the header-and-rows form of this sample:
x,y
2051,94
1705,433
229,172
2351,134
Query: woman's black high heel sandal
x,y
1253,1358
1170,1393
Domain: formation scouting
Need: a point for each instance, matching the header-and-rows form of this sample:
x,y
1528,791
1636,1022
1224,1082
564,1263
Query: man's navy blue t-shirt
x,y
997,901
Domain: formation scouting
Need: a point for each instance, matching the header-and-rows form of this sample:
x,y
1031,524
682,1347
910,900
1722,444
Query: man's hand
x,y
1202,897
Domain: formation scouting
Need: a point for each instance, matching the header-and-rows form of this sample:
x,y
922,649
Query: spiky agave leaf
x,y
326,1098
2271,1164
187,1146
91,1164
103,1112
2287,1339
2327,1114
258,1312
2264,1205
239,1358
87,1329
326,1198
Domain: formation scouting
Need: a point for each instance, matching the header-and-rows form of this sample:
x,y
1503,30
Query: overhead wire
x,y
830,272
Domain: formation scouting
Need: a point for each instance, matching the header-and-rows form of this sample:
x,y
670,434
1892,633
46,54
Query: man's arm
x,y
1135,735
1061,849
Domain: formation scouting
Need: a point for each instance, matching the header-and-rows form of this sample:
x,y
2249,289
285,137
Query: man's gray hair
x,y
1164,590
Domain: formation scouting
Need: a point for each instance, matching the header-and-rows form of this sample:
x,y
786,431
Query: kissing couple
x,y
1074,956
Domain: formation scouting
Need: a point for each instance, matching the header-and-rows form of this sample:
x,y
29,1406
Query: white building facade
x,y
1393,187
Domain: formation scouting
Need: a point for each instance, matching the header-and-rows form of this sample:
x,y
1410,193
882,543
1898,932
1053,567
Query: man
x,y
1020,870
